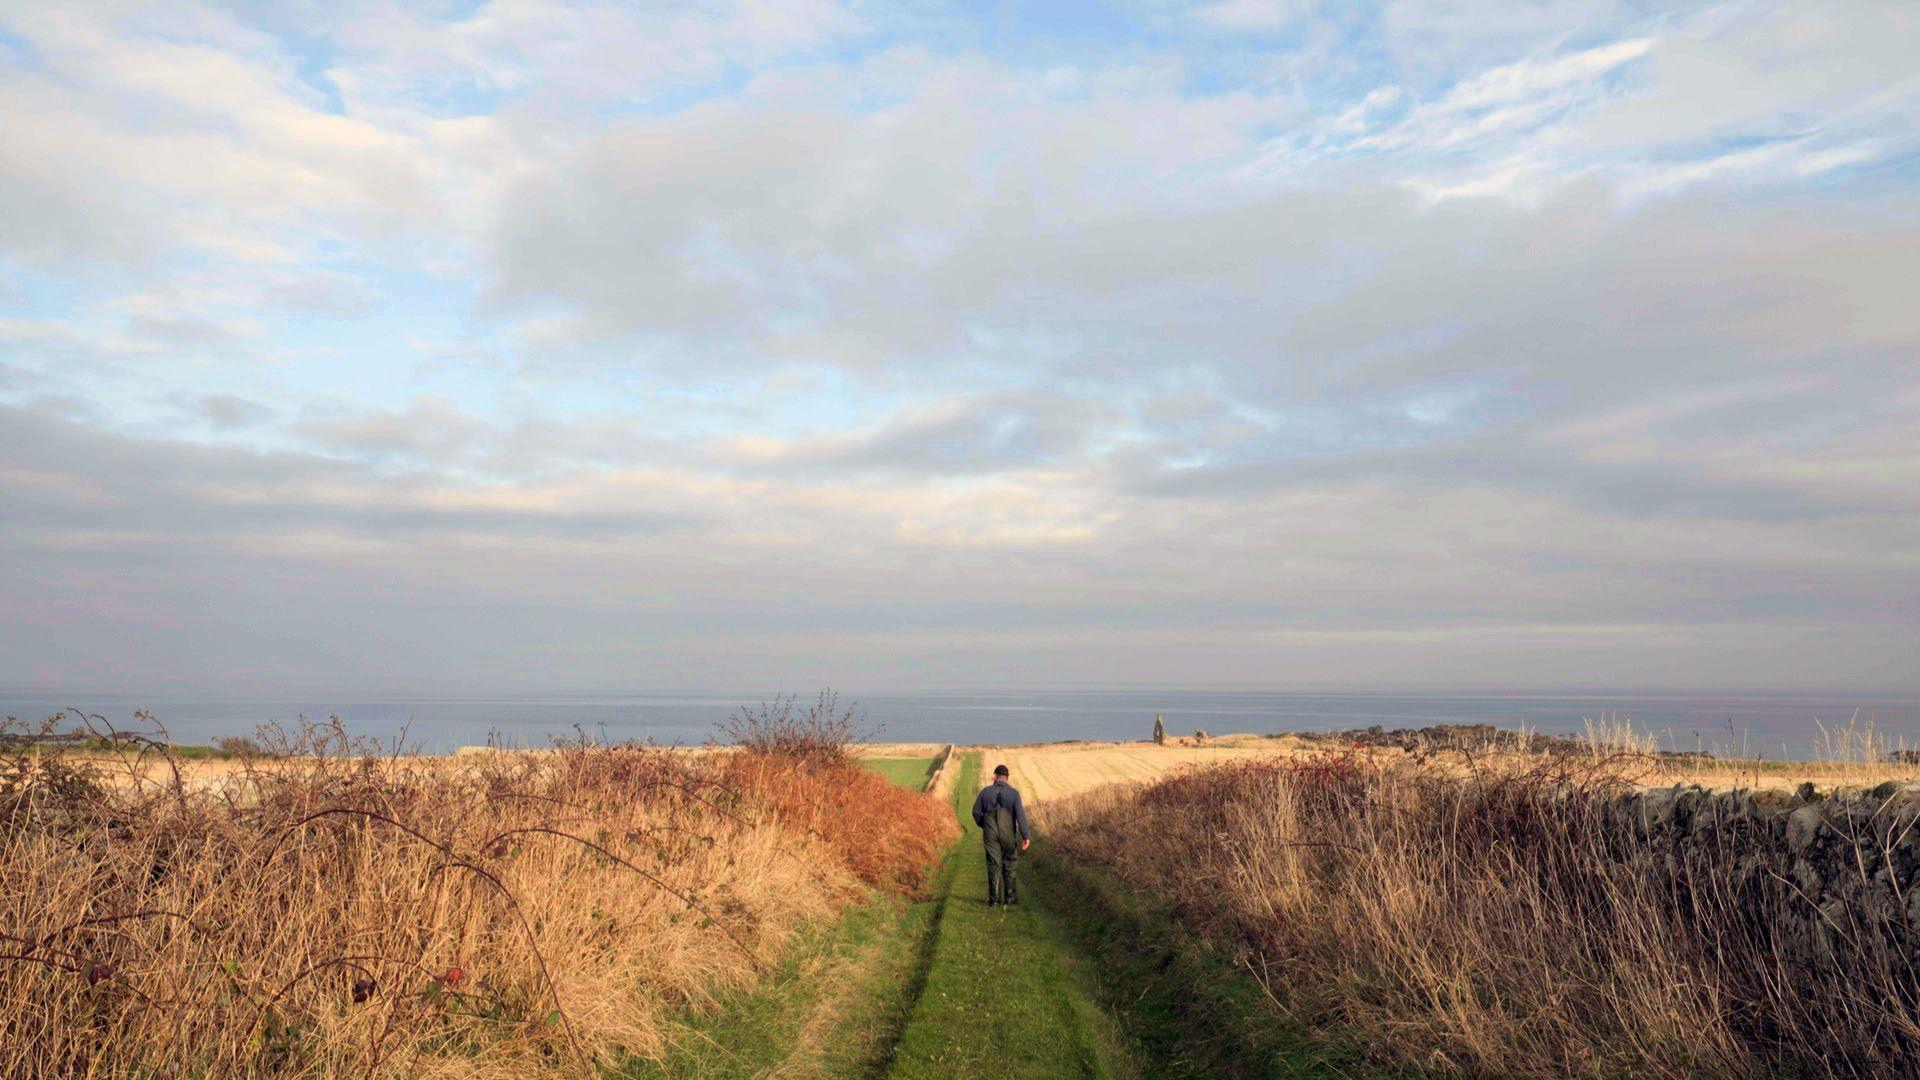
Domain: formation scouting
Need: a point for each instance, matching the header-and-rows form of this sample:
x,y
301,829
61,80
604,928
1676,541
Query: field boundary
x,y
941,761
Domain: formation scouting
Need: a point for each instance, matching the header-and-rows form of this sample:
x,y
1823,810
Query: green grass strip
x,y
907,772
834,1007
1191,1010
1004,994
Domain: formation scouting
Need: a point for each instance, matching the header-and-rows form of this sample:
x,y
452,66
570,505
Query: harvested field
x,y
1760,775
1044,773
1051,772
921,750
1055,770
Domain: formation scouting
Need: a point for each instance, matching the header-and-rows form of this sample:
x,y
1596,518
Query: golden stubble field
x,y
1044,773
1050,772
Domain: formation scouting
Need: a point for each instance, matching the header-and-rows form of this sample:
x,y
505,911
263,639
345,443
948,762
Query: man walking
x,y
1002,818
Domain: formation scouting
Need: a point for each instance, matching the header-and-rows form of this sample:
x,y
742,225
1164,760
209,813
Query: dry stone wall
x,y
940,783
1828,882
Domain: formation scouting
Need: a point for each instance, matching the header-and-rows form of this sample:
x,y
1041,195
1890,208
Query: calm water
x,y
1776,725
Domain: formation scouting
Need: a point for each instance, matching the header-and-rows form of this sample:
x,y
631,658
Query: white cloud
x,y
1513,98
1531,78
1527,340
132,143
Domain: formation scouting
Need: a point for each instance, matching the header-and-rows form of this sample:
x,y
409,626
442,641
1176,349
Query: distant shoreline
x,y
1742,725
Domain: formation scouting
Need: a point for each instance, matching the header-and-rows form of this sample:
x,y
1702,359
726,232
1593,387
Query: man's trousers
x,y
1003,856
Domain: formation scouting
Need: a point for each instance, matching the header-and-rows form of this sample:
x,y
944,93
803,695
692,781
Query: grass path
x,y
834,1008
1004,993
948,987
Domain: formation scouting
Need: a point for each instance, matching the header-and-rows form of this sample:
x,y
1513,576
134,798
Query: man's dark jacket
x,y
1000,795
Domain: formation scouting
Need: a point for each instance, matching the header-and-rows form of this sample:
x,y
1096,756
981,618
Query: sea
x,y
1778,726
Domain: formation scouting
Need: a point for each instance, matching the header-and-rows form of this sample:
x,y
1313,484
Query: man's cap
x,y
1000,770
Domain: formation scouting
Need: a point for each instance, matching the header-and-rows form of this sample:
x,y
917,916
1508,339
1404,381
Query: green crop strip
x,y
909,773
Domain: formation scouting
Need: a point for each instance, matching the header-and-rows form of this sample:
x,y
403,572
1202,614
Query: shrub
x,y
239,746
824,734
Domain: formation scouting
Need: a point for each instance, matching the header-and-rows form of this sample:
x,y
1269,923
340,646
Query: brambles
x,y
332,907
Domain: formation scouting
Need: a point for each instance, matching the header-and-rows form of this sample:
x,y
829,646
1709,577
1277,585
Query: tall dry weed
x,y
1493,920
334,910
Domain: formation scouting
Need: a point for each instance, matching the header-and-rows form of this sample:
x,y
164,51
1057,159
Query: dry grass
x,y
1844,757
1483,920
885,835
339,911
1849,755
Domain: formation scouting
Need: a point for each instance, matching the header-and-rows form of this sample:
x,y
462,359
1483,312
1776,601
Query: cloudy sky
x,y
520,346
